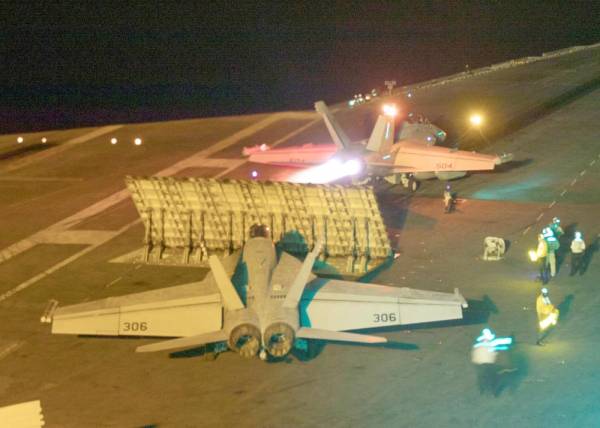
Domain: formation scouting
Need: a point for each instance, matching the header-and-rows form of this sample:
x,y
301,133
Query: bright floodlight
x,y
44,140
19,140
254,173
476,119
390,110
137,141
113,141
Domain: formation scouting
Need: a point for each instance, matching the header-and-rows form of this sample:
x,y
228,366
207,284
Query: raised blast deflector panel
x,y
343,305
187,220
176,311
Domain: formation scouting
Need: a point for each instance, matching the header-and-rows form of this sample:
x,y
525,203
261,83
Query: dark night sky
x,y
66,64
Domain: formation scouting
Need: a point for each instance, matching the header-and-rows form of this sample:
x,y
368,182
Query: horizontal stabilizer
x,y
340,336
185,342
506,157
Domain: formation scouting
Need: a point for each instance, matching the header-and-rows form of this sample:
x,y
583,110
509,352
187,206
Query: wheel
x,y
413,184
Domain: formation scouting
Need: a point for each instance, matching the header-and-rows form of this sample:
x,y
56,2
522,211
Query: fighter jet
x,y
411,158
276,303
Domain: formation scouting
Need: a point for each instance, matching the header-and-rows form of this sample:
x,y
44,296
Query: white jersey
x,y
484,355
577,246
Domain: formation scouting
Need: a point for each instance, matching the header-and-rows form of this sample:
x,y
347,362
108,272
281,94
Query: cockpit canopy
x,y
260,231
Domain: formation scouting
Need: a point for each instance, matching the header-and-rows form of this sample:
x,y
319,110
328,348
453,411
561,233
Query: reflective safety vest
x,y
543,307
542,249
553,244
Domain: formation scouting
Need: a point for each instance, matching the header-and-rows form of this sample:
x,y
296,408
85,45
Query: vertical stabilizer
x,y
231,298
295,291
338,135
382,137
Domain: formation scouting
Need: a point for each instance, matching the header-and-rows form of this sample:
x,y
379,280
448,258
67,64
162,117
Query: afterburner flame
x,y
330,171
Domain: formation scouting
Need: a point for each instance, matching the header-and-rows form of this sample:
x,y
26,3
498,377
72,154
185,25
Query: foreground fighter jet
x,y
412,158
278,302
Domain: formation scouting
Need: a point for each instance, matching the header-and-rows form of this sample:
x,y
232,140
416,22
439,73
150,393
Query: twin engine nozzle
x,y
277,340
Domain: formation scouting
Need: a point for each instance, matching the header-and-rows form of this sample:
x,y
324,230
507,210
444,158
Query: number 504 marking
x,y
384,317
135,326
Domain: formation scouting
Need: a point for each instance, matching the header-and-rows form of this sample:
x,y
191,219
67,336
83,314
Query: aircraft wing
x,y
411,157
345,305
302,156
184,310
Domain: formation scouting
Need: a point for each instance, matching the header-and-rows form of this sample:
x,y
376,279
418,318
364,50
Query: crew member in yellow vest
x,y
547,315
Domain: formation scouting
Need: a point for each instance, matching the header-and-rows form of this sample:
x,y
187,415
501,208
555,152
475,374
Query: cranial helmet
x,y
486,334
545,291
556,220
448,187
577,235
547,232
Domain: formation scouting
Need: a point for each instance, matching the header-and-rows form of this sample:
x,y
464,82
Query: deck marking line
x,y
10,348
114,281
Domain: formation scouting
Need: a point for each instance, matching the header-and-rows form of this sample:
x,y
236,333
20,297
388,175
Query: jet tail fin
x,y
382,137
338,135
231,298
295,292
340,336
185,342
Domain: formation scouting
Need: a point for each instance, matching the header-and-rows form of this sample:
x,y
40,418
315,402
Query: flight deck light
x,y
137,141
254,174
44,140
113,141
390,110
476,119
19,140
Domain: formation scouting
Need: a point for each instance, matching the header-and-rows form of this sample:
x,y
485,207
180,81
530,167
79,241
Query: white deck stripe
x,y
119,196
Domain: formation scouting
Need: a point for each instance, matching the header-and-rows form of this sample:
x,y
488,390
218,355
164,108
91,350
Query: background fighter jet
x,y
412,158
269,310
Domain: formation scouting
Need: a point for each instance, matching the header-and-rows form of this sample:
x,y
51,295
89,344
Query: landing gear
x,y
263,354
413,184
409,182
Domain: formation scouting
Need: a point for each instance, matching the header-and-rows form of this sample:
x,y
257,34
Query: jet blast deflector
x,y
188,220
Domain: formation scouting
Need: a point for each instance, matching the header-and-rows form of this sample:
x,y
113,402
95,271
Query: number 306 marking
x,y
385,317
135,326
